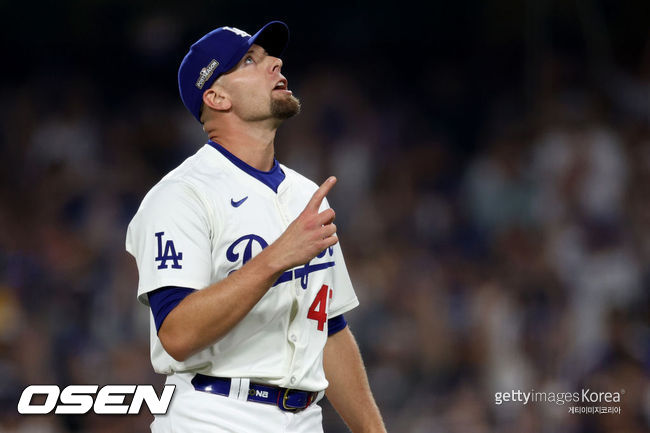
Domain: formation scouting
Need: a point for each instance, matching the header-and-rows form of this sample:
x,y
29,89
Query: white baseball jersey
x,y
206,219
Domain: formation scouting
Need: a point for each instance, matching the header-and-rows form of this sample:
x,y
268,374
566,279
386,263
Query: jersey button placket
x,y
298,288
282,210
284,215
293,337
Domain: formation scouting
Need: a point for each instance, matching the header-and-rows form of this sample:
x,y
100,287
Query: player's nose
x,y
276,64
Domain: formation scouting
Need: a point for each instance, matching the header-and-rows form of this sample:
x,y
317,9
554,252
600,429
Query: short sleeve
x,y
170,238
335,325
162,301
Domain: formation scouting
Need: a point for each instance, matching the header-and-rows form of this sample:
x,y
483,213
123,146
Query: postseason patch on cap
x,y
206,73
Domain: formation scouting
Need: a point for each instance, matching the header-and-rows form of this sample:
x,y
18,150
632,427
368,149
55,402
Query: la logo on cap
x,y
241,33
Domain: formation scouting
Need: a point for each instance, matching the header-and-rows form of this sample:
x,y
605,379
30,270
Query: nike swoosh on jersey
x,y
237,203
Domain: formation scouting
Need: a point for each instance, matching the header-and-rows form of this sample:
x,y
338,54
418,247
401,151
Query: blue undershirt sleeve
x,y
336,324
164,300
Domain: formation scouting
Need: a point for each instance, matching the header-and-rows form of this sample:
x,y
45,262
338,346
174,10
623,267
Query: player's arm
x,y
205,316
349,391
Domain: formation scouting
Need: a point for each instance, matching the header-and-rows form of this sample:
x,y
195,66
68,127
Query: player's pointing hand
x,y
310,233
320,194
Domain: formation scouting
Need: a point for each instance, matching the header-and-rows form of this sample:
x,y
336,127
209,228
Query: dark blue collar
x,y
272,178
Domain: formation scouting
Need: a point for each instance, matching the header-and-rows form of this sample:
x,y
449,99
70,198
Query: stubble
x,y
284,108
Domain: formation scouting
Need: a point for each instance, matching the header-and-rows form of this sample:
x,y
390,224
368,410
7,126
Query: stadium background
x,y
493,200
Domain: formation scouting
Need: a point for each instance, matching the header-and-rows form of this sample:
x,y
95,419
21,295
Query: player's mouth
x,y
282,86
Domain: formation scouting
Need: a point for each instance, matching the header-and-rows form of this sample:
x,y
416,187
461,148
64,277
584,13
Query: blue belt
x,y
289,400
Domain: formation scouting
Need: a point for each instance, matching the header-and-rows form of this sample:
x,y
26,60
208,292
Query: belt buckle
x,y
284,402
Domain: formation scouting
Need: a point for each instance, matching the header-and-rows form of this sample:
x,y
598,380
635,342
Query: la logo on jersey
x,y
168,254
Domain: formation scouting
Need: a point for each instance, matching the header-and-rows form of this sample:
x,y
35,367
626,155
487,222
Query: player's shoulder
x,y
302,181
199,169
189,180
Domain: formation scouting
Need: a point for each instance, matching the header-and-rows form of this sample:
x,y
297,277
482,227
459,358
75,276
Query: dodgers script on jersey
x,y
205,220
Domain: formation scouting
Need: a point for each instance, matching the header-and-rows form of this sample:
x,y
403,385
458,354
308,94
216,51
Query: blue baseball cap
x,y
218,52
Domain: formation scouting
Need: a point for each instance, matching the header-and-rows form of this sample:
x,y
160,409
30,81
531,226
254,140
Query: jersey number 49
x,y
318,309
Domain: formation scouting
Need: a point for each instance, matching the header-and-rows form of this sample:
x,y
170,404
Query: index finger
x,y
319,195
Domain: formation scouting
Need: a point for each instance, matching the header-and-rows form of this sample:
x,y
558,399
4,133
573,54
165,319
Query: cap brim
x,y
273,37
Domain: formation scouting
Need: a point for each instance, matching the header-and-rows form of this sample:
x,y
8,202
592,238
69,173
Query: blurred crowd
x,y
518,261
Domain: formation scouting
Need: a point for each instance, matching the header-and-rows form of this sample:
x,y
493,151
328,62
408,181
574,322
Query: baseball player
x,y
239,261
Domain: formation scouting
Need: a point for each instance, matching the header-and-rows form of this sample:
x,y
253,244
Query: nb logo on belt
x,y
258,393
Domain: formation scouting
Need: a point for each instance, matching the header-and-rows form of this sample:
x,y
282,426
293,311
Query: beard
x,y
284,108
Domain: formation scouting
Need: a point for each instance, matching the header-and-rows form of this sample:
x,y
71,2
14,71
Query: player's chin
x,y
285,106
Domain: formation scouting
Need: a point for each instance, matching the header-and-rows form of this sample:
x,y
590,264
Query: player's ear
x,y
217,98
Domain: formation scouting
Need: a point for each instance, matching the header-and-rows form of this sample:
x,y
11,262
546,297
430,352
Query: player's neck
x,y
253,144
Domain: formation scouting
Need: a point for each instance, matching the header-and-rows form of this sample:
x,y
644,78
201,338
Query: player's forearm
x,y
349,391
205,316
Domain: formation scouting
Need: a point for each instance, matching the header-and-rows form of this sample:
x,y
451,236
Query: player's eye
x,y
249,60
